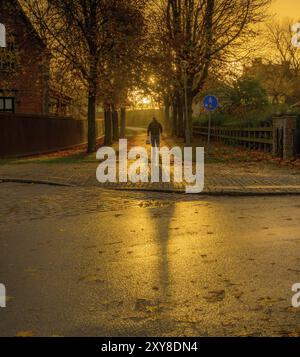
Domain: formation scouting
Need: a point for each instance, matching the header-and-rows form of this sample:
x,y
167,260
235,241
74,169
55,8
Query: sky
x,y
286,8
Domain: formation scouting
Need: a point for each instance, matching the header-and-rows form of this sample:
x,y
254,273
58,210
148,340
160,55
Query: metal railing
x,y
260,138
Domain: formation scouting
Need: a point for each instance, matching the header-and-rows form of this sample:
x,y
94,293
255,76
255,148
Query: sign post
x,y
210,103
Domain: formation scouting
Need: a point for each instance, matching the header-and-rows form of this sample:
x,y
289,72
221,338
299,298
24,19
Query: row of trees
x,y
193,38
99,42
168,48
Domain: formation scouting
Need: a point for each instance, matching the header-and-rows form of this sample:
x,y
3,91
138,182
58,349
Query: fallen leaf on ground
x,y
25,334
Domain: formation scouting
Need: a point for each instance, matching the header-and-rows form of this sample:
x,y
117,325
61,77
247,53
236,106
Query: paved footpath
x,y
233,178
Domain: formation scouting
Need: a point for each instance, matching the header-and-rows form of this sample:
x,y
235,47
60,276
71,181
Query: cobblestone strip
x,y
219,179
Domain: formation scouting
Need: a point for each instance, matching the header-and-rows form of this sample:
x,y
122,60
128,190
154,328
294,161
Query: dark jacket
x,y
155,128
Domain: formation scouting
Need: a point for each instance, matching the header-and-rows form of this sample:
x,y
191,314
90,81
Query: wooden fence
x,y
31,134
253,138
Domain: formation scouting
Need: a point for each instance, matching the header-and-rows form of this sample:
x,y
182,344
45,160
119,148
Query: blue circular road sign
x,y
210,102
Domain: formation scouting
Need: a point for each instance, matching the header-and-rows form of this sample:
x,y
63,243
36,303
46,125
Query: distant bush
x,y
247,94
252,118
218,119
245,103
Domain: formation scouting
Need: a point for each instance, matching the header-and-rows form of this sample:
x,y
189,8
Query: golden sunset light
x,y
286,8
149,177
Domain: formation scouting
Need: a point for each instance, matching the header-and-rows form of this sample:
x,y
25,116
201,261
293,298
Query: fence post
x,y
283,136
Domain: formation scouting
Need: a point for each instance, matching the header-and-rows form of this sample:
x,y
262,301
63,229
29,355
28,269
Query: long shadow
x,y
164,218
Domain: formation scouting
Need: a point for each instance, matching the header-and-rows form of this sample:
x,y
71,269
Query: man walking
x,y
155,130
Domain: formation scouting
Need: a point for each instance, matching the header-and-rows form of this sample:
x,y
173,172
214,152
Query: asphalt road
x,y
88,262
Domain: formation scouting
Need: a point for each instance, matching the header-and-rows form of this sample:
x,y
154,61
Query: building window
x,y
8,55
7,104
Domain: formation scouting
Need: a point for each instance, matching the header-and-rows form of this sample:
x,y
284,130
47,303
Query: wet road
x,y
104,263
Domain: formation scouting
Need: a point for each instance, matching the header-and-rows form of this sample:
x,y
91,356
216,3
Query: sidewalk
x,y
231,178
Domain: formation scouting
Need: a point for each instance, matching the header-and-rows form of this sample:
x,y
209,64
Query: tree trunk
x,y
180,122
189,120
123,123
275,100
92,115
108,126
174,117
115,124
167,114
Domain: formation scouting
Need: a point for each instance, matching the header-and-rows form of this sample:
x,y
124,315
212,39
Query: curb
x,y
35,182
224,192
207,193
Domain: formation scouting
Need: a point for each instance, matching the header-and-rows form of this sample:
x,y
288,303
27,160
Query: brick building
x,y
24,64
25,67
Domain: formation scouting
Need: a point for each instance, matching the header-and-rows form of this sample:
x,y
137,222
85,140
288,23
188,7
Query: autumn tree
x,y
281,70
85,32
121,70
201,33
